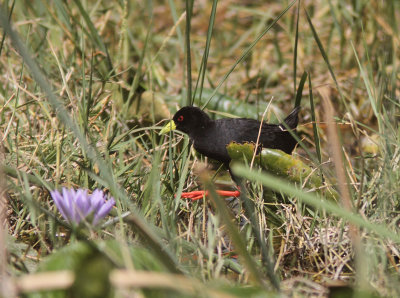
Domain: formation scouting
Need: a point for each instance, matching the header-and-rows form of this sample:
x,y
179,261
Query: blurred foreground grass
x,y
89,114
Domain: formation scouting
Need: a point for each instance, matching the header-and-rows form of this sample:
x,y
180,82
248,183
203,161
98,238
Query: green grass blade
x,y
64,117
138,74
204,60
94,35
154,242
296,41
189,10
251,214
280,185
175,18
247,52
326,59
369,89
314,122
3,38
299,94
240,244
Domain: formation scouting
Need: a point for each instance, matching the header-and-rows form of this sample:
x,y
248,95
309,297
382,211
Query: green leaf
x,y
279,163
316,201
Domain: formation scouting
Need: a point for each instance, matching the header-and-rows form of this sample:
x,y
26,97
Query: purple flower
x,y
76,205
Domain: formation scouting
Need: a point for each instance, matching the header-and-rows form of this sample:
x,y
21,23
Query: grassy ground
x,y
84,86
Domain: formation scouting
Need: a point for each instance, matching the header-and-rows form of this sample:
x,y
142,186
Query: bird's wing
x,y
246,130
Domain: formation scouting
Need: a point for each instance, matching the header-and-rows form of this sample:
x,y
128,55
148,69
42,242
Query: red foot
x,y
196,195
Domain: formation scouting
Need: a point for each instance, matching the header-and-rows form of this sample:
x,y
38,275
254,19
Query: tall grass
x,y
84,88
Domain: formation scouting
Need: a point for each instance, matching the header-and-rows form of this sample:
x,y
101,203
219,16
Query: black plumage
x,y
210,137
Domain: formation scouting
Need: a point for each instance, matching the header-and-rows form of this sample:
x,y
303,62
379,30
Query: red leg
x,y
228,193
196,195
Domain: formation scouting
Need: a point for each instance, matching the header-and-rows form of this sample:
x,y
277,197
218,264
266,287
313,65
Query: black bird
x,y
210,137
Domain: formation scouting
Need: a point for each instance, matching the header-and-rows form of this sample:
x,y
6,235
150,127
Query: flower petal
x,y
104,210
59,201
97,200
82,203
68,201
76,205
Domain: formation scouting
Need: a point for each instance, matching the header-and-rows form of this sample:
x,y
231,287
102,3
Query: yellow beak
x,y
167,128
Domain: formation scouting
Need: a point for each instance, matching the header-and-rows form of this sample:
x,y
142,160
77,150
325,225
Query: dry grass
x,y
120,78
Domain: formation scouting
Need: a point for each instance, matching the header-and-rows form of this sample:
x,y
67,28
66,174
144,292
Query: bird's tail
x,y
293,119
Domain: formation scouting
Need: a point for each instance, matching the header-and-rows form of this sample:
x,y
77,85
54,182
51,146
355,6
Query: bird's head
x,y
188,120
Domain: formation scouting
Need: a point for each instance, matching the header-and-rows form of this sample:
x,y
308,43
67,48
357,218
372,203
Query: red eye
x,y
180,118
